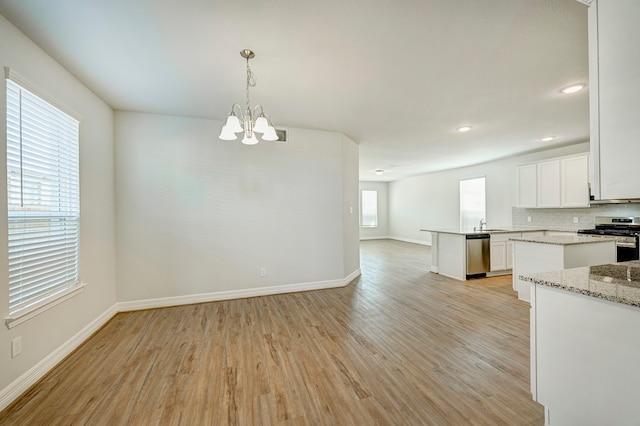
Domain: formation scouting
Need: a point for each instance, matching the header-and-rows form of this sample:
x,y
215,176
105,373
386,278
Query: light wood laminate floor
x,y
398,346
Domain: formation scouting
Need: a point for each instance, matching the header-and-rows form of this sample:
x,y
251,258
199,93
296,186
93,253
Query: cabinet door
x,y
498,255
574,182
509,255
549,183
614,43
527,195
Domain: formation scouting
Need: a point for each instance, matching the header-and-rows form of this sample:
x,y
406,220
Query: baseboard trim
x,y
406,240
31,377
164,302
409,240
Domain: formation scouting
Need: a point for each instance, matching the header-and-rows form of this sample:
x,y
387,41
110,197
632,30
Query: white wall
x,y
198,215
382,230
351,238
47,332
431,201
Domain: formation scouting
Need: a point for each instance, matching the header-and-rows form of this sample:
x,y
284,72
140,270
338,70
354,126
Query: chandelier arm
x,y
233,110
255,111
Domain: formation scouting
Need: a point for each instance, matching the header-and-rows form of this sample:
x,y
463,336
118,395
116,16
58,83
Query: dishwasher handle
x,y
478,236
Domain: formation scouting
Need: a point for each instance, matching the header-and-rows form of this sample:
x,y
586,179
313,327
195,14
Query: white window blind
x,y
43,200
369,209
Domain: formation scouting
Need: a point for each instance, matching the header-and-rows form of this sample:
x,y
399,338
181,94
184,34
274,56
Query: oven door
x,y
626,251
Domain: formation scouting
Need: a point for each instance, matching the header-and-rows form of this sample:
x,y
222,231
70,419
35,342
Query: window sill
x,y
26,314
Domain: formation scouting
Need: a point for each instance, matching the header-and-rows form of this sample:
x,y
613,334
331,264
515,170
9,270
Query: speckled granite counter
x,y
562,240
616,282
498,230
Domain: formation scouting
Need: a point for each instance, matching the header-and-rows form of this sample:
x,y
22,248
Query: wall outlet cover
x,y
16,347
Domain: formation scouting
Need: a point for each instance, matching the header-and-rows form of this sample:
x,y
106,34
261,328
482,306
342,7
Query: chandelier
x,y
250,121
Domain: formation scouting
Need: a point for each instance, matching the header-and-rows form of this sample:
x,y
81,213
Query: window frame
x,y
60,206
465,219
363,208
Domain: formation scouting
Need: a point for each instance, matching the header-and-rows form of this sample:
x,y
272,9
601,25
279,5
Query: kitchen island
x,y
449,254
549,253
585,344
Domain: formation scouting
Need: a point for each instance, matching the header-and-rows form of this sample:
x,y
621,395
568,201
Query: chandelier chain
x,y
251,82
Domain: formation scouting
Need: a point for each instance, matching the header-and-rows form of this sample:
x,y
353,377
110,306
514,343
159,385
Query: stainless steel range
x,y
625,230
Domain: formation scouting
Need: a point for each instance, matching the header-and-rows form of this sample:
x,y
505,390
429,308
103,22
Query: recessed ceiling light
x,y
379,172
572,89
548,138
464,129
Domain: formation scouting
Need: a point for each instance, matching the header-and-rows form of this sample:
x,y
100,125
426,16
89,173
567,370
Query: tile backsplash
x,y
560,219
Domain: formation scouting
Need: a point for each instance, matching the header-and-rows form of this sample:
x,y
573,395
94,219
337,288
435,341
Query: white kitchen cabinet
x,y
555,183
574,181
549,183
498,255
527,186
509,254
502,251
614,88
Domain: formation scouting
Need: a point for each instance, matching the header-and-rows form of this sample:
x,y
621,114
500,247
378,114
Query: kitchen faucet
x,y
483,223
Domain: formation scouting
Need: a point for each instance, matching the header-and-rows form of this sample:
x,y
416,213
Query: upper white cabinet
x,y
549,184
614,86
554,183
574,181
527,184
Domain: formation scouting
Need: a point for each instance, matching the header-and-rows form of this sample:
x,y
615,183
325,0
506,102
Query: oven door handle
x,y
629,245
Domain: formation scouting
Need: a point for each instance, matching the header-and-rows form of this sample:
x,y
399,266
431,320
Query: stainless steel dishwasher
x,y
477,255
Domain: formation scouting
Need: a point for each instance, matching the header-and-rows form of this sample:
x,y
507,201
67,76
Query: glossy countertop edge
x,y
564,240
498,230
600,285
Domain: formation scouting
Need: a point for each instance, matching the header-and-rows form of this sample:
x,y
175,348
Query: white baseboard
x,y
234,294
409,240
29,378
406,240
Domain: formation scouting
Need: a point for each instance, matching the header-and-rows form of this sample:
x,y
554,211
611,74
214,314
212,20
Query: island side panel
x,y
531,257
578,255
452,255
586,358
434,252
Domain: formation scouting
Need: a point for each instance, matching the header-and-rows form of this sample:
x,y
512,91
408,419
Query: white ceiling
x,y
398,77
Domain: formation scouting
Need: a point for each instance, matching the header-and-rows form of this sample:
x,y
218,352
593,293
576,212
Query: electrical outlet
x,y
528,218
16,346
575,219
263,272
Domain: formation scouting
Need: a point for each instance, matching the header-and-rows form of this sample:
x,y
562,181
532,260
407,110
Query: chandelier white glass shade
x,y
250,121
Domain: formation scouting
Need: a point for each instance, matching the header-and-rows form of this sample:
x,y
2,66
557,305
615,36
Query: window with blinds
x,y
369,209
43,200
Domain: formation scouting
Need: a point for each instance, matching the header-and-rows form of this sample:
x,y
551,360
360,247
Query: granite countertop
x,y
616,282
496,230
563,240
